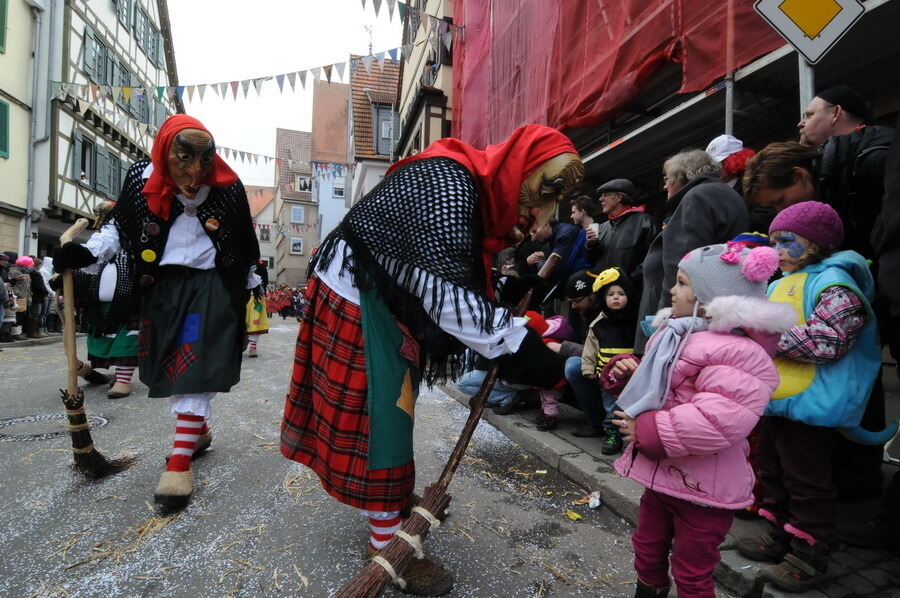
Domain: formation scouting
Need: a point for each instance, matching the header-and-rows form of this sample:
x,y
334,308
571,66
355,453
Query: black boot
x,y
647,591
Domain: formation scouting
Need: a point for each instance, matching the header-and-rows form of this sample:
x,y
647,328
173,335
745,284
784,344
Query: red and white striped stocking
x,y
382,525
187,430
123,374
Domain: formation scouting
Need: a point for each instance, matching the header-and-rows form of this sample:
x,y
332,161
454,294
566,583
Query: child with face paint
x,y
828,362
688,408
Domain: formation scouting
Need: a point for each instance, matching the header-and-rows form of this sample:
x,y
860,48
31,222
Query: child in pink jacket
x,y
702,385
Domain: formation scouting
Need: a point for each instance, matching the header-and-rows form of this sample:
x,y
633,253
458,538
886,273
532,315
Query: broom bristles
x,y
88,460
372,580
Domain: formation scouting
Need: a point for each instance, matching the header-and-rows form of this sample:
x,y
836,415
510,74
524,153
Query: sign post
x,y
812,27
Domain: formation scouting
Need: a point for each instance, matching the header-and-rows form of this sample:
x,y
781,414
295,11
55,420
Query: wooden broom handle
x,y
69,309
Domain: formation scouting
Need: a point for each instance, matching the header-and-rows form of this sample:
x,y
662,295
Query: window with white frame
x,y
302,183
297,215
297,245
337,189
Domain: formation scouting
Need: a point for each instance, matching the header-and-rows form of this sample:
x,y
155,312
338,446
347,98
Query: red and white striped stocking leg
x,y
382,525
187,430
253,339
123,374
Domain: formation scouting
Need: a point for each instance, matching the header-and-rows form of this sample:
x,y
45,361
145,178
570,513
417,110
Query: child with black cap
x,y
611,333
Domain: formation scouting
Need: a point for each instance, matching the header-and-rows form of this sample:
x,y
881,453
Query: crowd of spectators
x,y
610,270
27,306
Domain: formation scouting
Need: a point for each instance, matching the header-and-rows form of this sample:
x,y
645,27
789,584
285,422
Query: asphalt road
x,y
260,525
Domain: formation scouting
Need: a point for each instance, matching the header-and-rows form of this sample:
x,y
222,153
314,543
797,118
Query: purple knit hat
x,y
813,220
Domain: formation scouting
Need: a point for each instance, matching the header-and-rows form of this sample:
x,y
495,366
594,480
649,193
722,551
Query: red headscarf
x,y
160,188
499,171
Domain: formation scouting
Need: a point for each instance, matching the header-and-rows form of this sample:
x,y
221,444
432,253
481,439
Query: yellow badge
x,y
148,255
212,224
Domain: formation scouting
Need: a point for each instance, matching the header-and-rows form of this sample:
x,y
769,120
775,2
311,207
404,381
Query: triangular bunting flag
x,y
243,155
245,85
280,80
159,92
223,90
380,58
302,79
190,90
393,54
180,91
391,4
95,90
292,79
327,70
234,88
407,50
257,83
367,62
201,89
126,94
447,38
364,4
377,5
316,72
340,69
402,8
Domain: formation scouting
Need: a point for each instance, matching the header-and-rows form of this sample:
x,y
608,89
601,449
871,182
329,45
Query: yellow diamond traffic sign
x,y
811,26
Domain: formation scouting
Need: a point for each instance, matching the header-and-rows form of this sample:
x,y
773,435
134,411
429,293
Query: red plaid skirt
x,y
325,425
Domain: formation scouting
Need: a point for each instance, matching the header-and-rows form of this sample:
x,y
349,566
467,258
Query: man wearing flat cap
x,y
625,237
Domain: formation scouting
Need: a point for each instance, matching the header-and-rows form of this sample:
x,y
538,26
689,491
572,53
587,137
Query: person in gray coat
x,y
701,210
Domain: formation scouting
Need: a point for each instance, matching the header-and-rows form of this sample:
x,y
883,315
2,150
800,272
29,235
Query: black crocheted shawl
x,y
225,215
124,309
425,215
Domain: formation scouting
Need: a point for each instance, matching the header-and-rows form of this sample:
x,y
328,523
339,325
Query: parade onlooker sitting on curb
x,y
828,363
611,333
687,409
553,331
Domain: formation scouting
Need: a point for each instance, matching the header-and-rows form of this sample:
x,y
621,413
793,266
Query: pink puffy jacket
x,y
695,447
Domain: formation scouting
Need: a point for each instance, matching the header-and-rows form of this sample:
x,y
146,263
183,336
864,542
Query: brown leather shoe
x,y
423,577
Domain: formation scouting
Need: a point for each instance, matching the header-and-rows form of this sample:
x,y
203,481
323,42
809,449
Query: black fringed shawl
x,y
425,215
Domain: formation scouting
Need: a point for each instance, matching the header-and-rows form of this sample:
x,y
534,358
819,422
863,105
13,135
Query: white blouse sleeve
x,y
104,243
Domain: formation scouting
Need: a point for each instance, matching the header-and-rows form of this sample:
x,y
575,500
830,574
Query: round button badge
x,y
212,224
148,255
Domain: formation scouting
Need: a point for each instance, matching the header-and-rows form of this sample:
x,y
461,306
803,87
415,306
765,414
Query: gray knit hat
x,y
729,269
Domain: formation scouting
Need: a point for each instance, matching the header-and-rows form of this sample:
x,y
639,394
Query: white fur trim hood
x,y
728,312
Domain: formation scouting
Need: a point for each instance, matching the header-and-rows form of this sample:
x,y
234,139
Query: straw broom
x,y
406,544
88,460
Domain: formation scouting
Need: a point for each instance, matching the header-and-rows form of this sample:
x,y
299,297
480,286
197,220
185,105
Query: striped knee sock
x,y
253,338
382,525
123,374
187,431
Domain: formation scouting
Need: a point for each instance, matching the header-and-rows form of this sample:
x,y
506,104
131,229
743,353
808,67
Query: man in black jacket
x,y
623,240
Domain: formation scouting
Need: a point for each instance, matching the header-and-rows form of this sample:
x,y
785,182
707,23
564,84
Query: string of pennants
x,y
322,170
283,229
93,97
434,28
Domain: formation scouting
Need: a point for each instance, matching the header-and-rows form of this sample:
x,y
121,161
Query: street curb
x,y
580,460
32,342
591,472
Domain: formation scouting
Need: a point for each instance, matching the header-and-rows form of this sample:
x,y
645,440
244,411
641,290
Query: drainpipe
x,y
37,12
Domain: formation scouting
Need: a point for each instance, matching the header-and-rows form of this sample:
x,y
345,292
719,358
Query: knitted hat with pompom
x,y
729,269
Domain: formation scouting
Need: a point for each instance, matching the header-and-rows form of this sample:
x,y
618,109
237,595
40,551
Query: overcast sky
x,y
231,40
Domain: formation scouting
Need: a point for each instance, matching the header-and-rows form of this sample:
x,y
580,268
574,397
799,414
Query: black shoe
x,y
875,533
613,443
588,431
545,423
505,408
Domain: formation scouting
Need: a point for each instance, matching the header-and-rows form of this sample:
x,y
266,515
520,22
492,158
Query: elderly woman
x,y
701,210
184,222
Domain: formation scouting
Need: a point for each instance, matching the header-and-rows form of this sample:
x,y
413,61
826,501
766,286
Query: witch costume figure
x,y
396,293
184,220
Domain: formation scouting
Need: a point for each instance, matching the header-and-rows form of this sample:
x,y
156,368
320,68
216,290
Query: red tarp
x,y
574,63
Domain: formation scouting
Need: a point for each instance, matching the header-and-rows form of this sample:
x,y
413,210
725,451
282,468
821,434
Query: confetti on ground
x,y
573,515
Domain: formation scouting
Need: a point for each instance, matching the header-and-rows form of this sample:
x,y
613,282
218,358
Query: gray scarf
x,y
649,385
